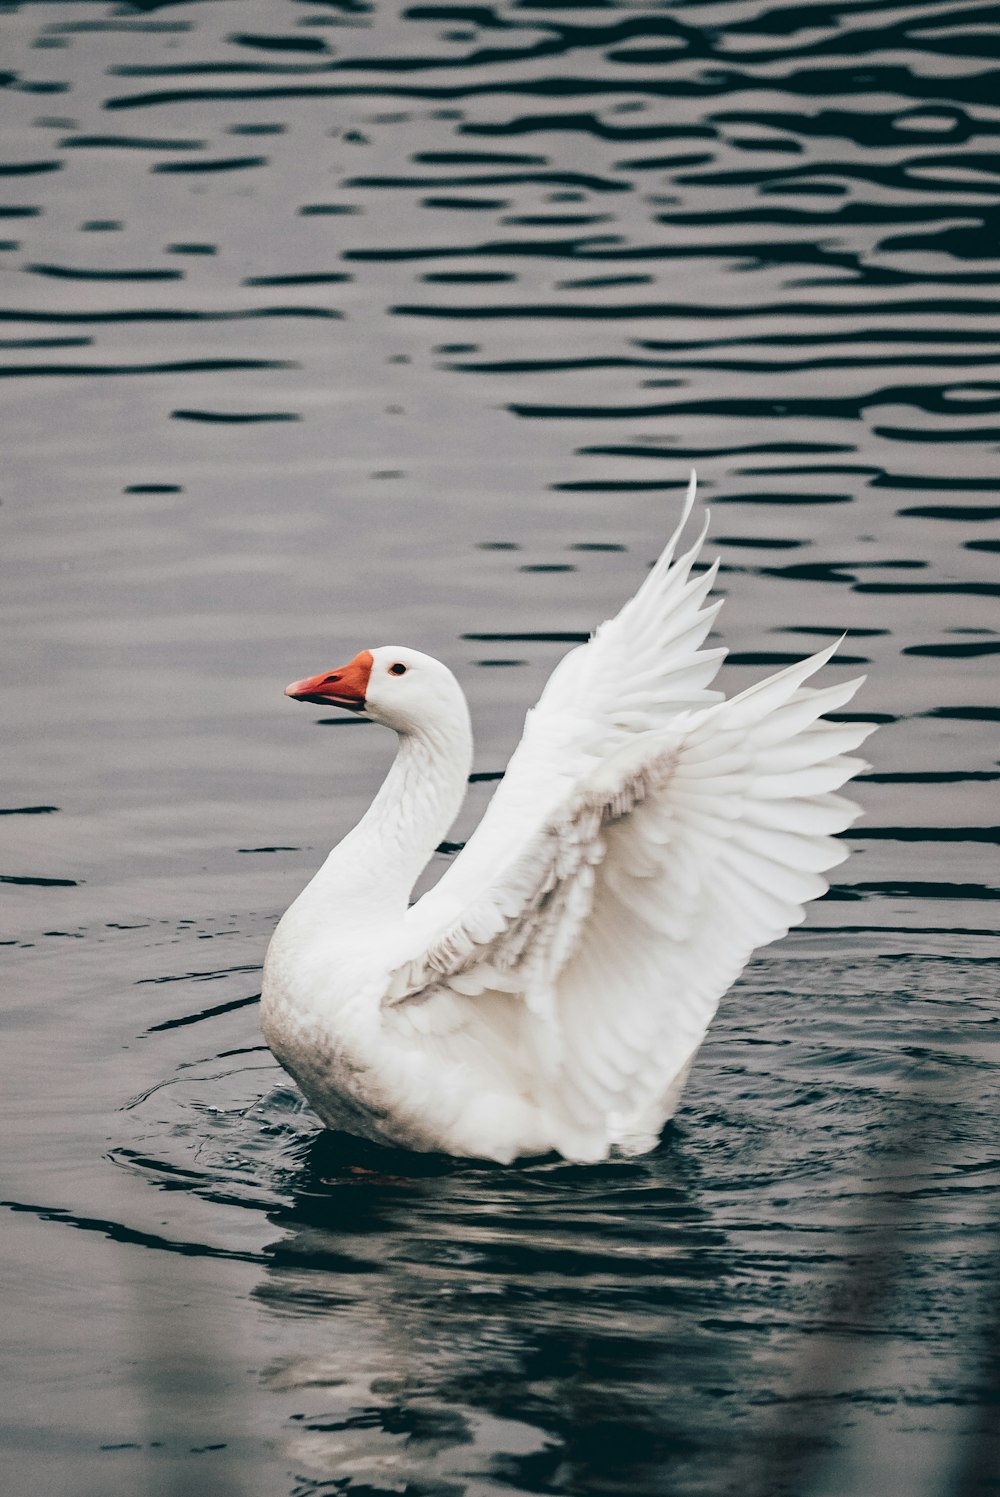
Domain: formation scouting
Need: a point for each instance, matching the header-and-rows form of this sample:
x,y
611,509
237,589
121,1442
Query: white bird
x,y
550,993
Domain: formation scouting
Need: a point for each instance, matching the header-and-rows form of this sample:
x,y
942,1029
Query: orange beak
x,y
344,687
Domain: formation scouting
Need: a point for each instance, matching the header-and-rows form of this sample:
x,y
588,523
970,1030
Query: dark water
x,y
326,326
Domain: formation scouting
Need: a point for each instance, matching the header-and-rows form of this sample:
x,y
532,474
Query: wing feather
x,y
632,885
640,671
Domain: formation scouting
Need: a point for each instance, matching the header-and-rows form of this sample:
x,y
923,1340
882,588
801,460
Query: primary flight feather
x,y
550,993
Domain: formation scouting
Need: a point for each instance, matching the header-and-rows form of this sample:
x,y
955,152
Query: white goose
x,y
551,992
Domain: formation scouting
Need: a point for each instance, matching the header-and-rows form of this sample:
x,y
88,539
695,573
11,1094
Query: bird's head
x,y
402,688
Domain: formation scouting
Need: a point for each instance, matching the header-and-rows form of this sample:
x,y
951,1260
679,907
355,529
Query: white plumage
x,y
552,990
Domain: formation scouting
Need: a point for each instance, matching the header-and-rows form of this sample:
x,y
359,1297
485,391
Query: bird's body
x,y
551,991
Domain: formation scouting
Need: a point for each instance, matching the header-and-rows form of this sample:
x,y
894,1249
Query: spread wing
x,y
638,672
616,921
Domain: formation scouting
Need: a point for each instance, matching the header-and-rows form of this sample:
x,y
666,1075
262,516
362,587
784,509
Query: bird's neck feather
x,y
370,874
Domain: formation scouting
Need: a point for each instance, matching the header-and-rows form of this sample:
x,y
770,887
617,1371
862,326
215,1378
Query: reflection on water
x,y
325,324
494,1350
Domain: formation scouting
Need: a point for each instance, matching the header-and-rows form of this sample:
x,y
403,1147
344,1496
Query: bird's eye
x,y
398,669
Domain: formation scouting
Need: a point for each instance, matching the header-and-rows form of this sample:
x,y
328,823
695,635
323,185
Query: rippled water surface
x,y
323,325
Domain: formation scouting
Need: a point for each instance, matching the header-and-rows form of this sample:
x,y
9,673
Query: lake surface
x,y
326,326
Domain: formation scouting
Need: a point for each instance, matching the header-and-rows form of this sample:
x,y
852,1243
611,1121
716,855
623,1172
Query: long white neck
x,y
370,874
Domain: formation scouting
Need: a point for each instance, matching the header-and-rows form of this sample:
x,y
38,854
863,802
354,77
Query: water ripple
x,y
529,264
